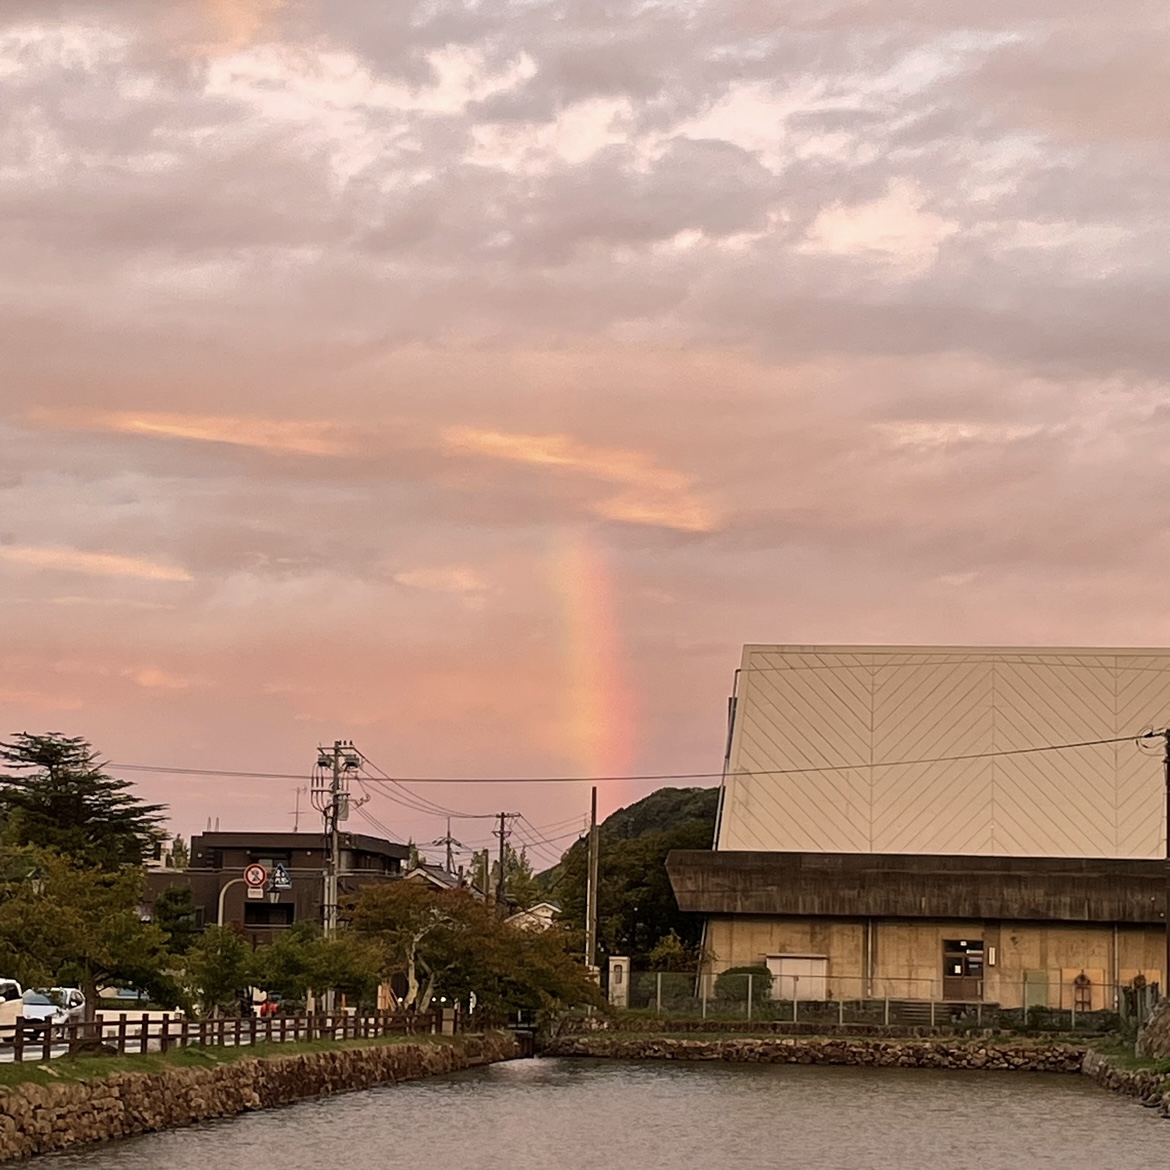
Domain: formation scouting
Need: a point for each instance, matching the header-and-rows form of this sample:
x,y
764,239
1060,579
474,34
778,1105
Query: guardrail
x,y
131,1035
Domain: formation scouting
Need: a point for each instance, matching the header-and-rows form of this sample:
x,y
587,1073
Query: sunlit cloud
x,y
154,679
457,579
93,564
238,23
654,495
278,436
931,435
894,230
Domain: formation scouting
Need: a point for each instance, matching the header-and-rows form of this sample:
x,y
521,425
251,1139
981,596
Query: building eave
x,y
936,886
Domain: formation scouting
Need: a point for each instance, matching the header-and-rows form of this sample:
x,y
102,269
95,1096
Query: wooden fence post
x,y
144,1035
121,1033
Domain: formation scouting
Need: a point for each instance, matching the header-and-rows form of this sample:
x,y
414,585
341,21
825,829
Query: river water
x,y
599,1114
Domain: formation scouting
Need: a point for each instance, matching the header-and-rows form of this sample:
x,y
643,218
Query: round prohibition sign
x,y
256,876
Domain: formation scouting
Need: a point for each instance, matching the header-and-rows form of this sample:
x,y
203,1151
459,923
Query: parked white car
x,y
42,1011
69,999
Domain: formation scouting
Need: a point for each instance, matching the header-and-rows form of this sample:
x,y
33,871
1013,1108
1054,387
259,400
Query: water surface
x,y
562,1114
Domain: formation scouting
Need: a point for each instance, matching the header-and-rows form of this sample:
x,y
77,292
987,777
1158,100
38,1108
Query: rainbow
x,y
596,714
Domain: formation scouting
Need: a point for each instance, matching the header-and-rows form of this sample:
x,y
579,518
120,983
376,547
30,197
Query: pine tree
x,y
56,795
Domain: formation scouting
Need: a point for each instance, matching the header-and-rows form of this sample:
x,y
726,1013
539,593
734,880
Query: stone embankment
x,y
1147,1086
36,1119
1062,1058
1150,1087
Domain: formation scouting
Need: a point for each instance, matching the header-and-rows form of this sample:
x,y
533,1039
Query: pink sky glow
x,y
471,381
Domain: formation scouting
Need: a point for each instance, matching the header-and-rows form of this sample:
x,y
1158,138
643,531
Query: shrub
x,y
732,984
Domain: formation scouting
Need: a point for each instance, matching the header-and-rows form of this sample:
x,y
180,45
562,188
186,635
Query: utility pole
x,y
450,842
297,810
330,797
1164,990
501,878
591,888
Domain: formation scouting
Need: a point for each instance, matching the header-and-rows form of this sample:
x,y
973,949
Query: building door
x,y
963,968
798,976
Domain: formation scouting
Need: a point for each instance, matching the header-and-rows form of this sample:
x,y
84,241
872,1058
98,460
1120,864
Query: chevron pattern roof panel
x,y
839,749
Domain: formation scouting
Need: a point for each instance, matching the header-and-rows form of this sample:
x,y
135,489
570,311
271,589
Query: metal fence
x,y
1054,1004
153,1032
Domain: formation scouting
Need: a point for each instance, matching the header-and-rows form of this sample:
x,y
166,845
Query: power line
x,y
424,803
645,777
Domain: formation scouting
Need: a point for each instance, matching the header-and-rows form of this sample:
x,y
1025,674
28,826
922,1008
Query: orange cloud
x,y
94,564
239,22
653,495
278,436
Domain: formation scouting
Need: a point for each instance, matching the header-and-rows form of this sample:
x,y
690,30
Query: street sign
x,y
255,893
280,878
255,876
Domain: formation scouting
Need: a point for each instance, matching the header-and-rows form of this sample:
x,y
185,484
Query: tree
x,y
55,795
636,903
672,954
220,970
174,914
449,942
404,920
70,924
301,959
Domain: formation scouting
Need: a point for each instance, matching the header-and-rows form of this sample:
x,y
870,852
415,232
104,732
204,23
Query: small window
x,y
617,974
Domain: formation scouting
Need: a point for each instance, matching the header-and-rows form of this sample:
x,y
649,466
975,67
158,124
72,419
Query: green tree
x,y
522,886
56,795
347,964
174,914
672,954
407,921
220,970
72,924
450,943
636,903
301,959
286,966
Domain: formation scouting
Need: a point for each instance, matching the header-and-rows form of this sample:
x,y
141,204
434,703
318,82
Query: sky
x,y
472,378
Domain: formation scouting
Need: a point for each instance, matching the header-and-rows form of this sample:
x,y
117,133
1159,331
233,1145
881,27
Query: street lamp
x,y
222,894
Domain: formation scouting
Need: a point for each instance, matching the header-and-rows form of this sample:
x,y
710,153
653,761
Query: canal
x,y
575,1114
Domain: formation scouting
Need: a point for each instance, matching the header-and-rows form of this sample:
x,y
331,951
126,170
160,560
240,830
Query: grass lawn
x,y
66,1069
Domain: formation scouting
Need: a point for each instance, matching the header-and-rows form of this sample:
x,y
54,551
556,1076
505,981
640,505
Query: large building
x,y
888,825
215,876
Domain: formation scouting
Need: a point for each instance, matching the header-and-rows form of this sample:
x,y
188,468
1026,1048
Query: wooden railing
x,y
130,1034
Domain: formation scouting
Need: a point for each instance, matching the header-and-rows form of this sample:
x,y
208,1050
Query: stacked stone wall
x,y
886,1053
36,1119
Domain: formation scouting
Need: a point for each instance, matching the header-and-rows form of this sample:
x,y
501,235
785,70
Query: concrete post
x,y
749,996
658,993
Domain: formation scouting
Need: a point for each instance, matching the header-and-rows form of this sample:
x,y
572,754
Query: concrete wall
x,y
903,959
823,735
